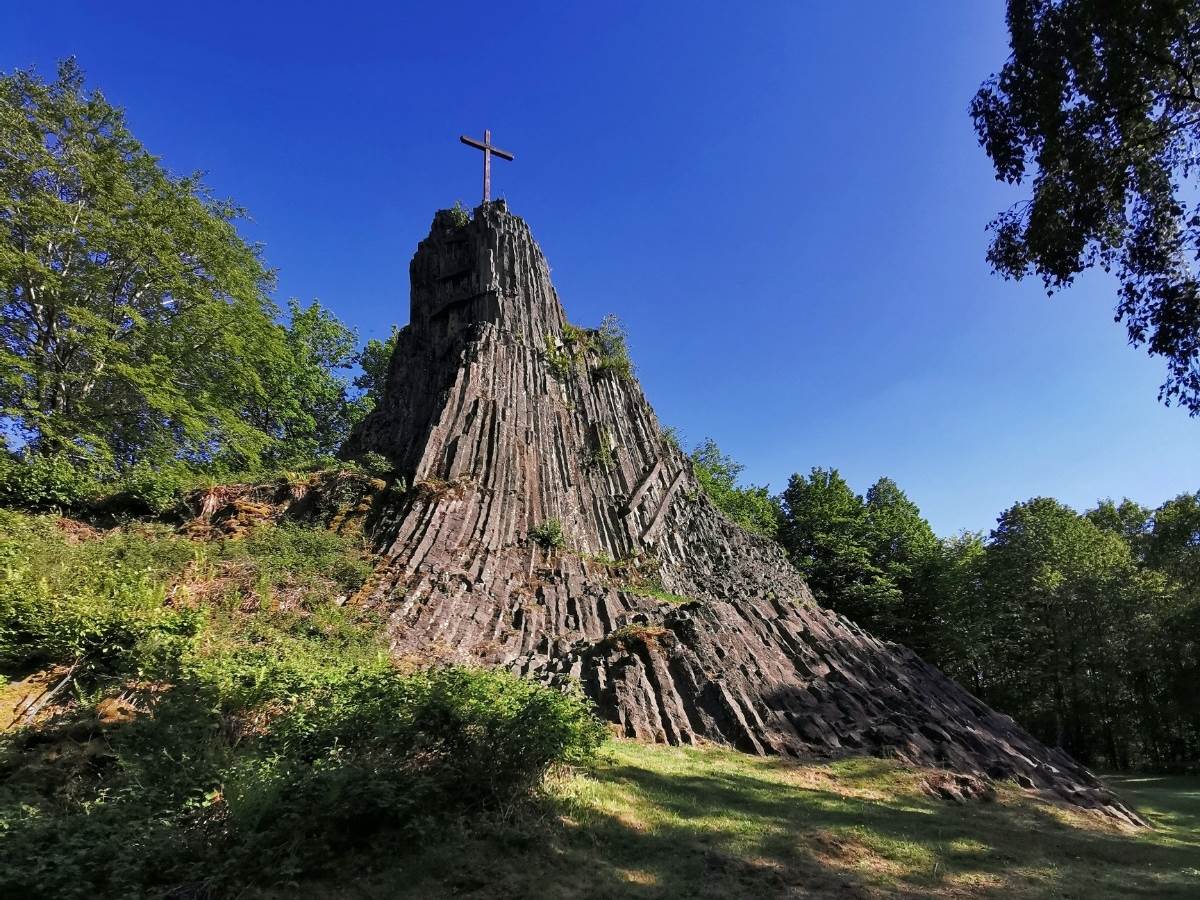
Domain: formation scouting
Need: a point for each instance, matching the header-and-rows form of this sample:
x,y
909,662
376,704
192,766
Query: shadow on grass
x,y
1170,801
667,823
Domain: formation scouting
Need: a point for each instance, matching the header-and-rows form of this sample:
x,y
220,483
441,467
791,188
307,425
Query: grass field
x,y
655,822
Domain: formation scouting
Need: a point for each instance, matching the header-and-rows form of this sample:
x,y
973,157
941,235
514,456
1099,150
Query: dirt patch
x,y
76,532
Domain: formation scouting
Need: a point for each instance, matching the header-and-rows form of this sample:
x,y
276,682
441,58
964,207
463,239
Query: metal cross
x,y
488,150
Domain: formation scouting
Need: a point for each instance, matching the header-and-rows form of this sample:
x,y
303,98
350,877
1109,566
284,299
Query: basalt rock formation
x,y
507,423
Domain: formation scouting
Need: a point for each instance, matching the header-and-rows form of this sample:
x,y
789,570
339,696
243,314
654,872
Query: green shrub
x,y
575,337
601,454
287,550
387,751
132,823
98,603
610,344
460,216
374,464
275,656
607,345
45,482
548,535
346,759
561,361
157,490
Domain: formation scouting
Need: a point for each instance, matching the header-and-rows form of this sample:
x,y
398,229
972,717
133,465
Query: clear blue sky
x,y
783,201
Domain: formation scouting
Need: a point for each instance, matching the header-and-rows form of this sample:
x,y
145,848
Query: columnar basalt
x,y
679,624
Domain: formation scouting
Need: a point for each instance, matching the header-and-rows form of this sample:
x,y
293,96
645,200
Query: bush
x,y
607,344
561,361
285,551
612,348
575,337
347,759
388,751
374,464
548,535
45,482
98,604
460,216
156,490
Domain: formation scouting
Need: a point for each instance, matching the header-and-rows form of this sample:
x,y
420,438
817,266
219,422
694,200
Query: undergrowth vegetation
x,y
59,482
222,717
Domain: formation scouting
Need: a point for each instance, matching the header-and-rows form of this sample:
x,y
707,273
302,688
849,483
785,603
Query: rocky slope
x,y
505,421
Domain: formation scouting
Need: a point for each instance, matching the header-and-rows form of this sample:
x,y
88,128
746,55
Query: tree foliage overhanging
x,y
1099,107
136,324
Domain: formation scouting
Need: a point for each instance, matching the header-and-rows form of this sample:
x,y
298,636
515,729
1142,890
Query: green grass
x,y
657,592
655,822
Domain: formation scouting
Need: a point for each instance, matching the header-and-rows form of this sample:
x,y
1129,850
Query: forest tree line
x,y
1085,627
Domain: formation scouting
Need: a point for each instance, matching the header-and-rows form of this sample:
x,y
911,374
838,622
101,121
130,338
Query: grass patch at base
x,y
657,822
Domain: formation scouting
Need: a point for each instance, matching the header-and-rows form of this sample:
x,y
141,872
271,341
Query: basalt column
x,y
504,422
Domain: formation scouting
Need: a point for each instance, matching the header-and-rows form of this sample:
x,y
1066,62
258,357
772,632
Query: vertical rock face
x,y
679,624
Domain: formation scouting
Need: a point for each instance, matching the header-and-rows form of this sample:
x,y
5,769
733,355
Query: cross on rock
x,y
488,150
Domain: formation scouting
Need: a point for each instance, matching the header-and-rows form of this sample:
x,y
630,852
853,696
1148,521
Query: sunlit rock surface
x,y
679,624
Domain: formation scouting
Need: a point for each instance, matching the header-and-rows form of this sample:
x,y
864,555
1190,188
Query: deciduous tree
x,y
1098,108
136,324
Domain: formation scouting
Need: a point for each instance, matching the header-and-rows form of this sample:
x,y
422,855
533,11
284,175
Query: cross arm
x,y
471,142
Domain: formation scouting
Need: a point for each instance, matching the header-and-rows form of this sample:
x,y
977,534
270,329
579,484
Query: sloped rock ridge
x,y
506,423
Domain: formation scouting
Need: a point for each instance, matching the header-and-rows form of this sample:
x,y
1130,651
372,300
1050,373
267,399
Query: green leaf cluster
x,y
751,507
136,325
548,535
606,348
1098,108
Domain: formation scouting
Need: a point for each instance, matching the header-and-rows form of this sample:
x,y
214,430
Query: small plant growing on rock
x,y
601,455
575,337
605,345
459,214
548,535
611,346
560,360
653,588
